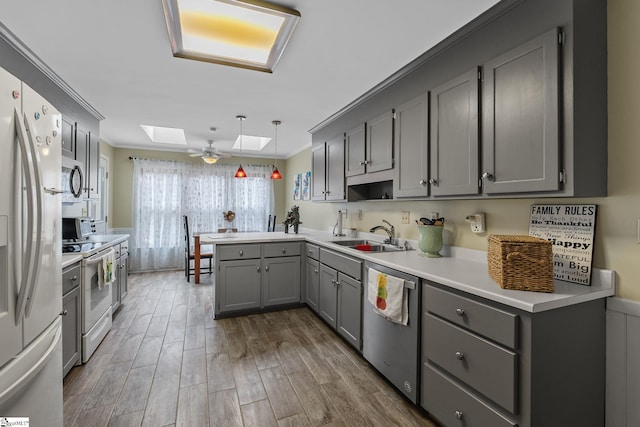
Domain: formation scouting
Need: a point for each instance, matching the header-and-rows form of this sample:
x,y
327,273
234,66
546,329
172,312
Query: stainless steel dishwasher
x,y
392,348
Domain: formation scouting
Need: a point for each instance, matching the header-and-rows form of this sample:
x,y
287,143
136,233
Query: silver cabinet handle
x,y
422,182
315,270
52,191
459,355
487,176
460,312
74,278
458,415
64,312
258,269
310,251
362,163
284,251
266,268
433,181
241,253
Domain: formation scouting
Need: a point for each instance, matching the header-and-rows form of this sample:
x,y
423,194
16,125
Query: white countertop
x,y
462,269
70,259
108,240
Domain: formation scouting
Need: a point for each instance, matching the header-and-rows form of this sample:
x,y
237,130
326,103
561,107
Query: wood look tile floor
x,y
167,362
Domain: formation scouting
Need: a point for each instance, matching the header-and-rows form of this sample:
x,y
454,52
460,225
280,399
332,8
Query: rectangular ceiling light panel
x,y
162,135
248,34
250,143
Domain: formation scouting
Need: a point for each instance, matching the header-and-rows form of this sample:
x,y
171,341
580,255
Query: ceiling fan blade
x,y
196,155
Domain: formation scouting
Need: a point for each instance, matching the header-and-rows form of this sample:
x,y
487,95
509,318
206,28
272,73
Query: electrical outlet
x,y
344,213
476,221
405,217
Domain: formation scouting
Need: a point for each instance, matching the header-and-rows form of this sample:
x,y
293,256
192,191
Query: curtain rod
x,y
233,164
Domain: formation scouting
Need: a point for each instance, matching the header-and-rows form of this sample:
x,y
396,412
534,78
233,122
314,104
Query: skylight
x,y
249,34
251,143
162,135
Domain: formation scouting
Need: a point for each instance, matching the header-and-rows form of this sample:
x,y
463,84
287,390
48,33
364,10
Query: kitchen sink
x,y
368,246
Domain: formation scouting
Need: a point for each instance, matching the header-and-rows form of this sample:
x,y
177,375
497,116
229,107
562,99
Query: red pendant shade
x,y
276,174
240,173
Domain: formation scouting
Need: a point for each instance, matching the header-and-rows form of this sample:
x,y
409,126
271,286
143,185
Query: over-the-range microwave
x,y
72,180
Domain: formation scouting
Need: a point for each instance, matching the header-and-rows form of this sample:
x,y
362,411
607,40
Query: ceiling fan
x,y
210,154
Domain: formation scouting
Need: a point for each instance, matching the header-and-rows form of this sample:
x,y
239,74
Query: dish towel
x,y
388,296
105,273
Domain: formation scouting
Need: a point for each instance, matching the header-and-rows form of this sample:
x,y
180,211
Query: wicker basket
x,y
522,263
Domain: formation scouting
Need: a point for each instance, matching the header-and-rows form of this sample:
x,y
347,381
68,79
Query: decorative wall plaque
x,y
571,229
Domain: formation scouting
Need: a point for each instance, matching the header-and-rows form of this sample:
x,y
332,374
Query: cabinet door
x,y
93,165
355,151
411,174
82,147
68,138
454,136
71,333
115,290
521,135
238,285
123,275
349,323
318,172
312,283
328,295
380,143
335,169
281,281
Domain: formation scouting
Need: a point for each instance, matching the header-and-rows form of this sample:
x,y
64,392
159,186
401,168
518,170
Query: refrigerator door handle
x,y
27,259
23,368
39,190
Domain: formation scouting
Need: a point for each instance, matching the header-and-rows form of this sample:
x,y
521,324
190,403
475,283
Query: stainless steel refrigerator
x,y
30,255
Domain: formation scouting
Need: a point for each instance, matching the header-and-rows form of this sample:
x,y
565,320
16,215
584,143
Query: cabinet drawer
x,y
453,405
124,247
495,324
117,250
347,265
225,252
70,278
312,251
272,250
485,366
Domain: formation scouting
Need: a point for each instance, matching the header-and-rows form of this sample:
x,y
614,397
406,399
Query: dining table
x,y
197,251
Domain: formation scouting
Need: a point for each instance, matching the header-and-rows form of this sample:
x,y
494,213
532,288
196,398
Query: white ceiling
x,y
116,55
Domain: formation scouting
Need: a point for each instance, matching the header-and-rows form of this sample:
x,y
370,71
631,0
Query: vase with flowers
x,y
229,216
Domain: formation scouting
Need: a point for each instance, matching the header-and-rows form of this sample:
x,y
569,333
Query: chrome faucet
x,y
391,231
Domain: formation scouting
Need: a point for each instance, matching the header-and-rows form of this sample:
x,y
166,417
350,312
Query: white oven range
x,y
96,303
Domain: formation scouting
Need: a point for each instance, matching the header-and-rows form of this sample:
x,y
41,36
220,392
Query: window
x,y
163,191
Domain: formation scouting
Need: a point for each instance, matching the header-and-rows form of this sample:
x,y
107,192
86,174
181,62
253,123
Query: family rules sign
x,y
570,228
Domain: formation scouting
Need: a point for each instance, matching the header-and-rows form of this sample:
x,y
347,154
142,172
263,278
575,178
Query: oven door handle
x,y
94,259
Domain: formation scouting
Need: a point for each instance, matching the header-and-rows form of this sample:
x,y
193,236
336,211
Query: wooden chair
x,y
189,254
271,225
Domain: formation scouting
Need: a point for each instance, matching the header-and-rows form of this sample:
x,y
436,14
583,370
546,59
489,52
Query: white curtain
x,y
163,191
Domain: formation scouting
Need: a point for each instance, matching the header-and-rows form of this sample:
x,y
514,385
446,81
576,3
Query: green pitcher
x,y
430,240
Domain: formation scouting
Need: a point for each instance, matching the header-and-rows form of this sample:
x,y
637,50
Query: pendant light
x,y
276,173
240,173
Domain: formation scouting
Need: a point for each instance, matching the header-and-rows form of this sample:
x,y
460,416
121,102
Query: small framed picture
x,y
306,186
297,187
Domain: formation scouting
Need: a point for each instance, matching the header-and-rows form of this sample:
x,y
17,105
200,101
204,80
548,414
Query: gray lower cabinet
x,y
121,284
252,276
521,129
340,295
311,276
454,136
281,280
485,364
411,173
328,295
239,284
71,317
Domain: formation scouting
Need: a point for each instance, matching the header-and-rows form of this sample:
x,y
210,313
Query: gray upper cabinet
x,y
379,147
68,138
411,174
93,165
355,151
328,170
521,133
454,136
318,173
